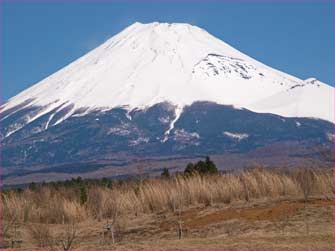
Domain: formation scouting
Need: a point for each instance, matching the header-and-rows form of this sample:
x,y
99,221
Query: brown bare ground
x,y
261,225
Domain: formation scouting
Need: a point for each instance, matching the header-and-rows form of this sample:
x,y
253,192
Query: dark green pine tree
x,y
189,169
165,173
32,186
83,194
211,167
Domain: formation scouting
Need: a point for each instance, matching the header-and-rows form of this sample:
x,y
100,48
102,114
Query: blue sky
x,y
39,38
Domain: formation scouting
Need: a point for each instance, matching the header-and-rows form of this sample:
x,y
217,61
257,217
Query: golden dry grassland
x,y
250,209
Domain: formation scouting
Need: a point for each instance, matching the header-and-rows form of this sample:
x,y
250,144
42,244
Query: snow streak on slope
x,y
146,64
178,112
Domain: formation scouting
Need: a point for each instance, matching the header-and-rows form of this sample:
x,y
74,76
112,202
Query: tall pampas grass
x,y
62,205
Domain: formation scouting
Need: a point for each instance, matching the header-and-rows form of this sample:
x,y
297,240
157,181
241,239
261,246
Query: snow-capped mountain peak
x,y
146,64
159,92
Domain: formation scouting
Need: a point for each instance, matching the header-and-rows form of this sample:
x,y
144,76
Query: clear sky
x,y
39,38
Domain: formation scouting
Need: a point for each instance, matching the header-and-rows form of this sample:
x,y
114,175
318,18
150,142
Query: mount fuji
x,y
159,92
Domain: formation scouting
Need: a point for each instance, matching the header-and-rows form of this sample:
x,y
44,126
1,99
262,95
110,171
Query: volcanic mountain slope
x,y
161,90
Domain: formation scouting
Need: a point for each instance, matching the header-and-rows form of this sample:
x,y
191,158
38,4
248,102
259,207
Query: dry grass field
x,y
251,209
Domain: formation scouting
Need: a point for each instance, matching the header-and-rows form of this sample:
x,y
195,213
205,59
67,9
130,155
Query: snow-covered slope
x,y
309,99
146,64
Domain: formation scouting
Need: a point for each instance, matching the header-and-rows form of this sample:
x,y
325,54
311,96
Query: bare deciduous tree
x,y
41,235
180,209
67,238
115,221
306,181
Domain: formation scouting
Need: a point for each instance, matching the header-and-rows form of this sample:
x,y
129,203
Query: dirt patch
x,y
322,203
271,213
193,219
